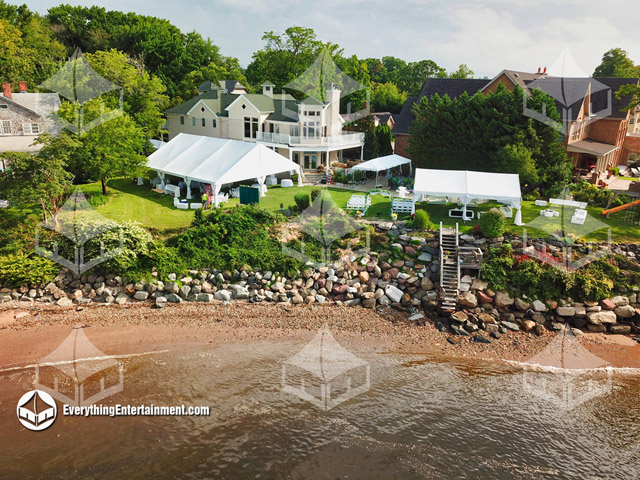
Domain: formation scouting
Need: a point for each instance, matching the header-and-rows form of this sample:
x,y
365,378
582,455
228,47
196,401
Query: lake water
x,y
418,418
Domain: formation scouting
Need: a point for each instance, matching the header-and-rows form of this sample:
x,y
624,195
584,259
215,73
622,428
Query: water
x,y
421,418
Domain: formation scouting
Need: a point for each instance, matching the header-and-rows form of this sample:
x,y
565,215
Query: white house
x,y
308,132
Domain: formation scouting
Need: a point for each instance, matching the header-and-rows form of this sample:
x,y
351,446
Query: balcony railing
x,y
345,139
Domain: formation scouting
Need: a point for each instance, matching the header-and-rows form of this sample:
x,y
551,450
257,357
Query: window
x,y
250,127
214,123
294,130
30,128
5,127
310,130
193,121
181,120
4,105
204,122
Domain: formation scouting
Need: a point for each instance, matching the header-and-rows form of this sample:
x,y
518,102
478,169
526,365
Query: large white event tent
x,y
468,186
217,161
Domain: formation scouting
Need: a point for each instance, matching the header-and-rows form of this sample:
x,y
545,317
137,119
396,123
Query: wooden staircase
x,y
312,178
449,268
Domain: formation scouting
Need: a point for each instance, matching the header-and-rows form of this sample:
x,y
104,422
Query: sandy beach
x,y
29,334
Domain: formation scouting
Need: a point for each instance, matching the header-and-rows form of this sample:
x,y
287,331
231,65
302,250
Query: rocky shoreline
x,y
378,281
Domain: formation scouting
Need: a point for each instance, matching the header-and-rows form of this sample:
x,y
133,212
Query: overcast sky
x,y
488,35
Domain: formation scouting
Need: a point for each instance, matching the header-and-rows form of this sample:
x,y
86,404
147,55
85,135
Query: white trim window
x,y
31,128
5,127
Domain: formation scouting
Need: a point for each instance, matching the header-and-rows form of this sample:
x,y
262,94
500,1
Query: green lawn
x,y
128,201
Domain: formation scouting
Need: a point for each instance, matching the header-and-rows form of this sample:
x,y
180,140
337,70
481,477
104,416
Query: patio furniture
x,y
458,212
257,185
541,203
195,205
235,192
506,211
579,216
549,212
182,206
402,191
271,180
286,183
358,202
223,197
172,190
567,203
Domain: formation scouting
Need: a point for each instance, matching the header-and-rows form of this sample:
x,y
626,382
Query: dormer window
x,y
202,109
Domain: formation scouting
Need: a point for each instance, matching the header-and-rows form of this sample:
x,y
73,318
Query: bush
x,y
421,220
25,270
492,223
594,196
615,171
302,200
315,193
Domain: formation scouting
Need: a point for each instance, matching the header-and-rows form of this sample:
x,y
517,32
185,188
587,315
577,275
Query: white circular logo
x,y
37,410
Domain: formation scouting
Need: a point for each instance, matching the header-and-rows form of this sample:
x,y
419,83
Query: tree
x,y
386,97
462,72
227,69
15,60
143,94
490,133
40,179
616,63
633,91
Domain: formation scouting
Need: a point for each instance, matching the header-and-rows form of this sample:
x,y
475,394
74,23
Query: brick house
x,y
598,132
23,116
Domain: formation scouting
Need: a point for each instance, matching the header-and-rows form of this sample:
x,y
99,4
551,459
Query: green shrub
x,y
26,270
302,200
315,193
421,220
615,171
586,192
492,223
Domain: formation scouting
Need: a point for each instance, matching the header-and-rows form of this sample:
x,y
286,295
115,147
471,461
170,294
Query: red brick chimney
x,y
545,70
22,87
6,89
539,70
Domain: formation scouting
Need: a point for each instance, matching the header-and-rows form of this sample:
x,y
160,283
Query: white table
x,y
540,203
549,213
271,181
286,182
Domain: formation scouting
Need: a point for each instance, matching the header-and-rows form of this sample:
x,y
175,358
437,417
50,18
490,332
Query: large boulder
x,y
539,306
394,293
603,317
426,283
503,300
566,311
467,299
483,297
224,295
625,311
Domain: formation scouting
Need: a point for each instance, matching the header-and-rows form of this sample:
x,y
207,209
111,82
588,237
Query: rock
x,y
522,305
539,306
539,329
141,295
64,302
370,303
625,311
607,304
425,257
603,317
459,317
297,299
577,332
394,293
320,298
597,328
620,301
171,287
364,277
483,297
467,299
620,329
204,297
426,283
384,301
502,300
510,325
479,284
239,292
528,325
161,302
173,298
487,319
121,299
184,291
566,311
224,295
416,316
480,339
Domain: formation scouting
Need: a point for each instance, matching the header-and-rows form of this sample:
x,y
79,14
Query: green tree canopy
x,y
616,63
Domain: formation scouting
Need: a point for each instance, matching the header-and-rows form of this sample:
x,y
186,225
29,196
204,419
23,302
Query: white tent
x,y
382,163
217,161
468,186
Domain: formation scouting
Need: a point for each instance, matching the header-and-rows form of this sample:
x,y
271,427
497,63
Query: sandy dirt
x,y
29,334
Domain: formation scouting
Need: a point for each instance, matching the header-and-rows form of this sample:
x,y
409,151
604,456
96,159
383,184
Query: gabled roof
x,y
312,101
267,84
518,78
262,103
184,107
231,85
42,104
